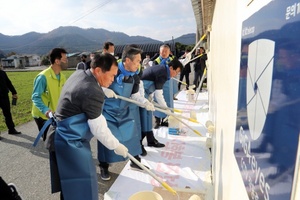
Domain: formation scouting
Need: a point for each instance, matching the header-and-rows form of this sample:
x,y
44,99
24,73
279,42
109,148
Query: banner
x,y
268,114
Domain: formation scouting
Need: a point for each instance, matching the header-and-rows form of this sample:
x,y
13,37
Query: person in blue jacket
x,y
154,78
78,118
122,116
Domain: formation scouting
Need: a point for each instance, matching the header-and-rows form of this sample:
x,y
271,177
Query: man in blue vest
x,y
123,117
154,78
163,59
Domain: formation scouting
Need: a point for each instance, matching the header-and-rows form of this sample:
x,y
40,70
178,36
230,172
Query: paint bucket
x,y
194,197
190,95
174,126
146,195
173,123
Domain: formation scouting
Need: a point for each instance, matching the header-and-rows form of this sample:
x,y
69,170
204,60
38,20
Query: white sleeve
x,y
141,88
158,95
99,129
140,95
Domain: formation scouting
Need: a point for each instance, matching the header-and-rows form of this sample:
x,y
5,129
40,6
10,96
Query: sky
x,y
157,19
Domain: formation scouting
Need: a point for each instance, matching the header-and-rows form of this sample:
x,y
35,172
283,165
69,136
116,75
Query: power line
x,y
91,10
88,12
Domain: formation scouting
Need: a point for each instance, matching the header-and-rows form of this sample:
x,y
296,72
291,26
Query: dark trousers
x,y
187,79
5,106
40,122
5,191
197,79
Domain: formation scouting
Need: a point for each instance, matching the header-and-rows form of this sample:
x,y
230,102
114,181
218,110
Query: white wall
x,y
223,77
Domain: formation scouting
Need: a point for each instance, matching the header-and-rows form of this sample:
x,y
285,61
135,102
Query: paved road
x,y
28,166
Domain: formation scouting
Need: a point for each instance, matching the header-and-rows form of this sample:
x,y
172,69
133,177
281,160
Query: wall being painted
x,y
223,78
223,75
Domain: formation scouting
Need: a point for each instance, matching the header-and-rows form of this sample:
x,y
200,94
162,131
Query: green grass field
x,y
23,83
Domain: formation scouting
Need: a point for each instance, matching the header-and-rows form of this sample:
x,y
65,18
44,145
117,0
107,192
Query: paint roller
x,y
210,126
210,129
195,131
164,184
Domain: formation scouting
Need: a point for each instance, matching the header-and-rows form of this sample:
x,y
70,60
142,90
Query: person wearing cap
x,y
82,64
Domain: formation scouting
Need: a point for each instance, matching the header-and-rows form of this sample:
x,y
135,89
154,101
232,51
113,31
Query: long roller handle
x,y
200,84
158,109
164,184
171,109
184,83
189,55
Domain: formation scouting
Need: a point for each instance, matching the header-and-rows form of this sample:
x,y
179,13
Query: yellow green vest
x,y
51,95
158,59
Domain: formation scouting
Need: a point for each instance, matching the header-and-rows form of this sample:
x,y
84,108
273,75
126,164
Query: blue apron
x,y
168,96
74,159
146,116
175,87
123,120
72,169
135,111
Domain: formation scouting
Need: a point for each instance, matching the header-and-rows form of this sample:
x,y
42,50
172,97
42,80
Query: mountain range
x,y
75,39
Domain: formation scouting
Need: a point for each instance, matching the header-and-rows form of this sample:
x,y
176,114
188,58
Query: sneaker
x,y
104,173
144,152
165,123
156,144
136,167
14,193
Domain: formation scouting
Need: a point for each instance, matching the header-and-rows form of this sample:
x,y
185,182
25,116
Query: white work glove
x,y
109,93
121,150
149,106
49,114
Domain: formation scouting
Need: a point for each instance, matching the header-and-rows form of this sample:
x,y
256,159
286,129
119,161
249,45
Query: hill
x,y
187,39
74,39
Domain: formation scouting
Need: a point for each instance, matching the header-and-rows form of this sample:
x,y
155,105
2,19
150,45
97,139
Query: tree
x,y
11,54
45,60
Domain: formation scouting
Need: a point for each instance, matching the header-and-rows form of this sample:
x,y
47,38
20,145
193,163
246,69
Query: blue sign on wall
x,y
268,115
